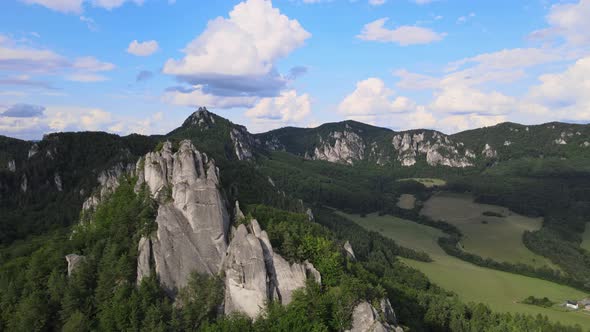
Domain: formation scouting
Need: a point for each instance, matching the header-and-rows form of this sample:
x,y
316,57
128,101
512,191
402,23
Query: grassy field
x,y
497,237
500,290
427,182
406,201
586,237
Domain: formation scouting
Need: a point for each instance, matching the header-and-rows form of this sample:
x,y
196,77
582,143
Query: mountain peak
x,y
201,118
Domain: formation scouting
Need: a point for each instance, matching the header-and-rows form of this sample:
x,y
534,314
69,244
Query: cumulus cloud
x,y
568,21
76,6
145,48
403,35
23,111
565,93
288,108
371,97
239,52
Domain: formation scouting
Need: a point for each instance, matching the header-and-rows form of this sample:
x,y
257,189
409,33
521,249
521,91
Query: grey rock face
x,y
11,166
108,181
340,147
246,287
256,274
438,149
365,318
309,213
58,182
73,262
33,151
192,217
489,152
24,184
242,141
349,251
144,256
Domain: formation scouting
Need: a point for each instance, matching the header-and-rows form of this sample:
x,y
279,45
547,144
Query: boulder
x,y
365,318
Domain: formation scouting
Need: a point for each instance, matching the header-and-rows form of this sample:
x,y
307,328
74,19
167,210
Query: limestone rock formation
x,y
192,217
438,149
11,166
365,318
349,251
58,182
256,274
242,141
489,152
33,151
108,181
246,286
74,262
144,255
340,147
24,184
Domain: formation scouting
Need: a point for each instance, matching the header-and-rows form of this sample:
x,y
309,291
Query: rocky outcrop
x,y
255,274
108,182
437,148
11,166
349,251
74,262
243,142
340,147
33,151
365,318
246,286
24,184
192,217
309,213
58,182
144,256
488,152
202,119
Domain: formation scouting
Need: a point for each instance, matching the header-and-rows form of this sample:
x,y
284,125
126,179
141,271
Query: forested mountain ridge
x,y
135,266
351,141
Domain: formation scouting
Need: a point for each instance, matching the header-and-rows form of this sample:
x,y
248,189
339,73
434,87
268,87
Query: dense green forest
x,y
102,295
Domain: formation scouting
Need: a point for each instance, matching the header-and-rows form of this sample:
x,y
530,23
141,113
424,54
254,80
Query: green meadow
x,y
497,235
427,182
500,290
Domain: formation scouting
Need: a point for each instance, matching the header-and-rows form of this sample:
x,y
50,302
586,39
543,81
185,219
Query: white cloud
x,y
76,6
197,97
372,97
403,35
463,99
565,93
143,48
288,108
569,21
64,6
27,61
247,43
455,123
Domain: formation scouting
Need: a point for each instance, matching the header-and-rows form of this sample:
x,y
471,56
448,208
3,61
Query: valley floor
x,y
500,290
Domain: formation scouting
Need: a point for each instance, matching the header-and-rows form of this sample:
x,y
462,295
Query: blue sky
x,y
144,65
